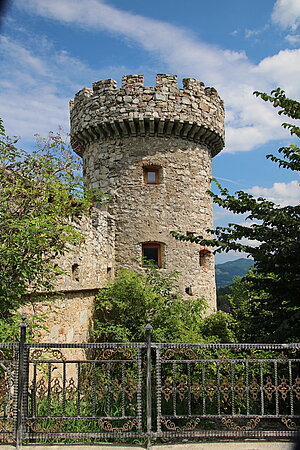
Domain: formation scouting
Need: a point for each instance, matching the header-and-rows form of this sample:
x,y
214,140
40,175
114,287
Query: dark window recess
x,y
75,272
204,255
189,290
151,175
190,233
151,254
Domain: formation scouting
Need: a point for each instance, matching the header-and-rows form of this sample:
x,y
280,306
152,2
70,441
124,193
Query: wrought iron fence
x,y
97,391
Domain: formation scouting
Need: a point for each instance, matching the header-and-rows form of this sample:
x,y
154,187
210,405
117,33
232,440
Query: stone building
x,y
150,149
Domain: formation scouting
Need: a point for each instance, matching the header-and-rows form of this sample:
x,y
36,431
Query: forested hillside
x,y
227,271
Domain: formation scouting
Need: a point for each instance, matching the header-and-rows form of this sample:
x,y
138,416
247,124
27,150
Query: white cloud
x,y
293,39
282,69
282,194
36,85
286,13
250,122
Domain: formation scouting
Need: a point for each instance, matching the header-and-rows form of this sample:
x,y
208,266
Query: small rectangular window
x,y
151,175
151,254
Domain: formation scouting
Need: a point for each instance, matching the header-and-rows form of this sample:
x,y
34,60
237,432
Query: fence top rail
x,y
9,345
291,346
95,345
158,345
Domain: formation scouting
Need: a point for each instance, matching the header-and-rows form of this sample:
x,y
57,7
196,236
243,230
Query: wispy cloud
x,y
37,83
286,14
293,39
250,122
250,33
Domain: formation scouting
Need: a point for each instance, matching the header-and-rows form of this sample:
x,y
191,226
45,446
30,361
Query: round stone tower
x,y
150,149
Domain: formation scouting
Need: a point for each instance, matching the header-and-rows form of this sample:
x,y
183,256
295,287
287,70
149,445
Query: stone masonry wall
x,y
120,132
147,213
87,267
194,113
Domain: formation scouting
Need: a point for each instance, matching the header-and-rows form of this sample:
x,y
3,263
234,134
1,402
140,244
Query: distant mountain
x,y
227,271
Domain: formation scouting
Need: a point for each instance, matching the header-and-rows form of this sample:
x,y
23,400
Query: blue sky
x,y
50,49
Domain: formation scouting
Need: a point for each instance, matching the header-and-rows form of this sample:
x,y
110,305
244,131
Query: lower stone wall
x,y
68,316
68,319
68,311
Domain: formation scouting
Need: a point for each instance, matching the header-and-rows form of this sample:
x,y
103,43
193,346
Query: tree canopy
x,y
275,229
41,199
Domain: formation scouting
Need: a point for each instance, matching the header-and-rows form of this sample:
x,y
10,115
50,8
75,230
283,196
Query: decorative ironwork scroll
x,y
118,353
289,423
190,426
46,353
296,388
107,426
229,423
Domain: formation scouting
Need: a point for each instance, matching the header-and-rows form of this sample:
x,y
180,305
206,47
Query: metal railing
x,y
98,391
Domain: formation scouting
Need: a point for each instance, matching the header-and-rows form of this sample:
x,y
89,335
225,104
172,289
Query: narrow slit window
x,y
75,272
151,254
204,256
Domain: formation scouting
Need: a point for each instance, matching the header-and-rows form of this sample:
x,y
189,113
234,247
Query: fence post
x,y
21,378
148,329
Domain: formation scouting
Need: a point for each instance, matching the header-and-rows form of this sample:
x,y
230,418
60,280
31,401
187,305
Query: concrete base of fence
x,y
221,445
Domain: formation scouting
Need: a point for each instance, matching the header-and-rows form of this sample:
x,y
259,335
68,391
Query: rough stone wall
x,y
87,267
195,113
69,320
148,212
120,131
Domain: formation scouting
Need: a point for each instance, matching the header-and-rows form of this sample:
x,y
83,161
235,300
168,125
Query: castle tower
x,y
150,149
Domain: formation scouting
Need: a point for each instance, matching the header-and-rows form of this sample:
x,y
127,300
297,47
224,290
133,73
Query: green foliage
x,y
219,327
222,301
41,199
251,307
125,306
10,327
275,282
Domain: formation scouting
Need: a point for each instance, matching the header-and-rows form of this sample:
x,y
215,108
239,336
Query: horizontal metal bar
x,y
38,418
291,346
225,361
226,433
82,361
232,416
104,434
9,345
94,345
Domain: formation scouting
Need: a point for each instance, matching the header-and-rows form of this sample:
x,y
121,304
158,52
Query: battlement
x,y
194,112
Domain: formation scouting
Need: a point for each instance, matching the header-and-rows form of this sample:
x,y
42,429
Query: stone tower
x,y
150,149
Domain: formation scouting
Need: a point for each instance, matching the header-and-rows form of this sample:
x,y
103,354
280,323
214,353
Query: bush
x,y
133,299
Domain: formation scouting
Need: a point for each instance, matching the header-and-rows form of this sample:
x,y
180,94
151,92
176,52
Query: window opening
x,y
151,253
151,175
75,272
204,255
189,290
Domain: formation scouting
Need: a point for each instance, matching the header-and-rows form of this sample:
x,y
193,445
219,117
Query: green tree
x,y
249,306
41,200
132,299
275,281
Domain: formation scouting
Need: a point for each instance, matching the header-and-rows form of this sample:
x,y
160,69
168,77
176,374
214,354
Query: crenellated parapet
x,y
195,113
